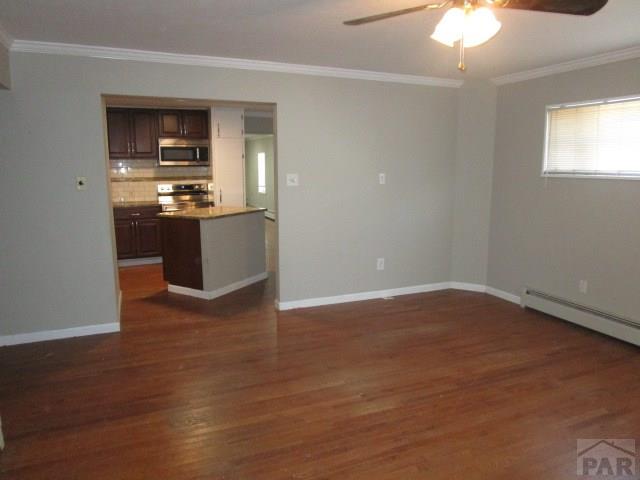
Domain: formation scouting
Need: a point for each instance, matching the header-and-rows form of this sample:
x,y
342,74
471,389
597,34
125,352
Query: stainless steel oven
x,y
181,152
183,196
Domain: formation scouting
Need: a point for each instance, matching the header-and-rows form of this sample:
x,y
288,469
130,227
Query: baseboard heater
x,y
594,319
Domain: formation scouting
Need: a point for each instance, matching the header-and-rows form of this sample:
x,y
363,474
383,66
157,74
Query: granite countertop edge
x,y
210,213
141,203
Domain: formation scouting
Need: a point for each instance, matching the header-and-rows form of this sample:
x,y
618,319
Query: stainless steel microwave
x,y
180,152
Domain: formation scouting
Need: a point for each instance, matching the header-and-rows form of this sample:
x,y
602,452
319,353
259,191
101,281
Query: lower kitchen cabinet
x,y
148,240
125,238
137,232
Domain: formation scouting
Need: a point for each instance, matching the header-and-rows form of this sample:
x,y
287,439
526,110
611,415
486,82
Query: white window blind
x,y
262,173
599,139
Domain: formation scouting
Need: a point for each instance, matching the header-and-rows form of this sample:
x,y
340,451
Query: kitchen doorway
x,y
144,182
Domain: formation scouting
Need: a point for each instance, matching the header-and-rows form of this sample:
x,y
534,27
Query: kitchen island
x,y
209,252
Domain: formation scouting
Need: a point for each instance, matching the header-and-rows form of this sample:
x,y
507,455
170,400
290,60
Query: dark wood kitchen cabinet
x,y
137,232
132,133
125,238
183,123
148,239
182,252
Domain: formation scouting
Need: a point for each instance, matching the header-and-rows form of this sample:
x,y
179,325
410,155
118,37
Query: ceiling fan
x,y
472,23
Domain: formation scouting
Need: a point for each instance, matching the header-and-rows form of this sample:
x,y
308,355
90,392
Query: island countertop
x,y
210,212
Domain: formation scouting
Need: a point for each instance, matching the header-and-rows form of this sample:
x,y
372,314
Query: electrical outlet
x,y
583,286
380,264
382,178
81,183
293,180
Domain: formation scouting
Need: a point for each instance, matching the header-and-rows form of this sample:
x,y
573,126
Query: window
x,y
594,139
262,175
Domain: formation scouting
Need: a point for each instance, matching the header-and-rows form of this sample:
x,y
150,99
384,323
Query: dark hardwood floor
x,y
443,385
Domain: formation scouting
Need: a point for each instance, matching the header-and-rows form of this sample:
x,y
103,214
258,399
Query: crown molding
x,y
594,61
225,62
5,38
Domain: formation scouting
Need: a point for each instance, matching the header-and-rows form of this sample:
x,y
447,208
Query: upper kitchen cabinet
x,y
195,123
184,123
132,133
119,133
144,139
228,122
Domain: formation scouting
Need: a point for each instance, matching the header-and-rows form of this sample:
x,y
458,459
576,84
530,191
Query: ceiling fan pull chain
x,y
461,66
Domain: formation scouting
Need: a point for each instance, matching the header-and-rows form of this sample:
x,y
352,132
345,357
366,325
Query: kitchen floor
x,y
141,281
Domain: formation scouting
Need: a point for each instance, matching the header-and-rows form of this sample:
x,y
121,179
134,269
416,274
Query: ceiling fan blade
x,y
396,13
571,7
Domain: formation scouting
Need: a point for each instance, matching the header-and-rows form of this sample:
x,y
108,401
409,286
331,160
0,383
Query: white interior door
x,y
229,170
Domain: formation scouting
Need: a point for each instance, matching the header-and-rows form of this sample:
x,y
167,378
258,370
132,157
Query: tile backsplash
x,y
137,180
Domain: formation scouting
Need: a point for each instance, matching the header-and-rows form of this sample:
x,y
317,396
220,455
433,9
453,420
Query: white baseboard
x,y
306,303
430,287
134,262
469,287
358,297
45,335
211,294
475,287
509,297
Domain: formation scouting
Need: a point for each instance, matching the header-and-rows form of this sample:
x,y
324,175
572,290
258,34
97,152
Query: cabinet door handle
x,y
198,153
135,214
218,128
220,195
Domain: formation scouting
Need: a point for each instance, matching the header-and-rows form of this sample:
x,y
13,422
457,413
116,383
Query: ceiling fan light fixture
x,y
478,26
449,29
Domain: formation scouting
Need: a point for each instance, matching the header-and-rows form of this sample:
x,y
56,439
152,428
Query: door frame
x,y
177,103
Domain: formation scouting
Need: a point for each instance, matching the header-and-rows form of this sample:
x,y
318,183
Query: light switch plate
x,y
293,180
382,178
81,183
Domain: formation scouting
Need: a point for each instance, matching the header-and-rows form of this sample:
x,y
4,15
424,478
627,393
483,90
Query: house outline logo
x,y
606,457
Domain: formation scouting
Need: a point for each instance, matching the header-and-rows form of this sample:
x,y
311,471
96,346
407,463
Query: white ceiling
x,y
311,32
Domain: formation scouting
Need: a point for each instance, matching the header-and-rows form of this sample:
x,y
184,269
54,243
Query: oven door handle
x,y
198,153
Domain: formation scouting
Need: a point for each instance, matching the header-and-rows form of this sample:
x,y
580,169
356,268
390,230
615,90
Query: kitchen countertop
x,y
149,203
210,213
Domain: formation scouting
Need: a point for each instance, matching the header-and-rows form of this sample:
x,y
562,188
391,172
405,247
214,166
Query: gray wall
x,y
550,233
473,181
5,71
252,147
56,255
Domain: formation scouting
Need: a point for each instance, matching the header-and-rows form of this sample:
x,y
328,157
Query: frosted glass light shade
x,y
479,26
449,29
